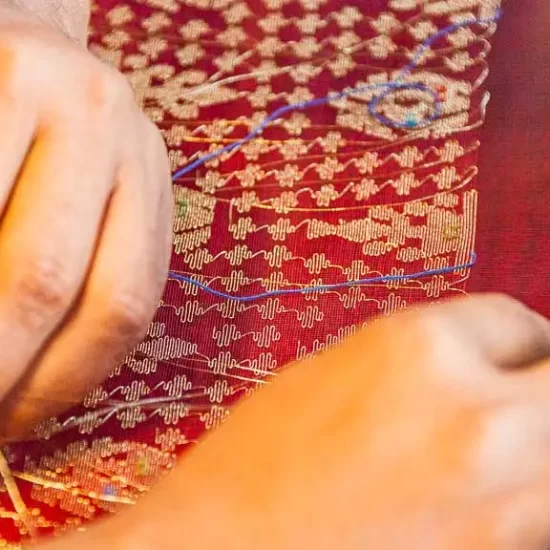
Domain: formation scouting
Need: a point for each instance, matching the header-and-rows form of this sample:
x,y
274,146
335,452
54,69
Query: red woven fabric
x,y
513,230
323,196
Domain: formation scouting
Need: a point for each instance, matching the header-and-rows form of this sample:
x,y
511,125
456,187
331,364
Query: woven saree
x,y
376,167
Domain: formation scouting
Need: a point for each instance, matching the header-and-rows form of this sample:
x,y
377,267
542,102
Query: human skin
x,y
85,200
439,442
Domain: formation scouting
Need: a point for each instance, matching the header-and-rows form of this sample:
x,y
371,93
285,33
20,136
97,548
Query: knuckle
x,y
123,86
427,331
426,326
417,331
43,290
108,88
514,317
129,315
498,301
100,94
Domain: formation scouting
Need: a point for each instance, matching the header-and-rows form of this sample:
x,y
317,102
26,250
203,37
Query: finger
x,y
47,240
504,331
18,125
116,307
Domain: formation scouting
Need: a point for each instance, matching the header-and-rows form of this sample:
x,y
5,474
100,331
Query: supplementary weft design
x,y
364,186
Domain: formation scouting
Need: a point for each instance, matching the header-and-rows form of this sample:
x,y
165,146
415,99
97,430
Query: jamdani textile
x,y
324,195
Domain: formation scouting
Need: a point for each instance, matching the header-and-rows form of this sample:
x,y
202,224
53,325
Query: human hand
x,y
429,430
86,204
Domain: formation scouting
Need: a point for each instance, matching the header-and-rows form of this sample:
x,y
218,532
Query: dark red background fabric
x,y
513,231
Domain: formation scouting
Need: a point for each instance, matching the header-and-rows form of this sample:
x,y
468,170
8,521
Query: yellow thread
x,y
15,495
263,206
59,486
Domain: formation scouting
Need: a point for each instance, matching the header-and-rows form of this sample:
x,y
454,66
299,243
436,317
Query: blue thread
x,y
387,89
409,123
321,288
394,86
